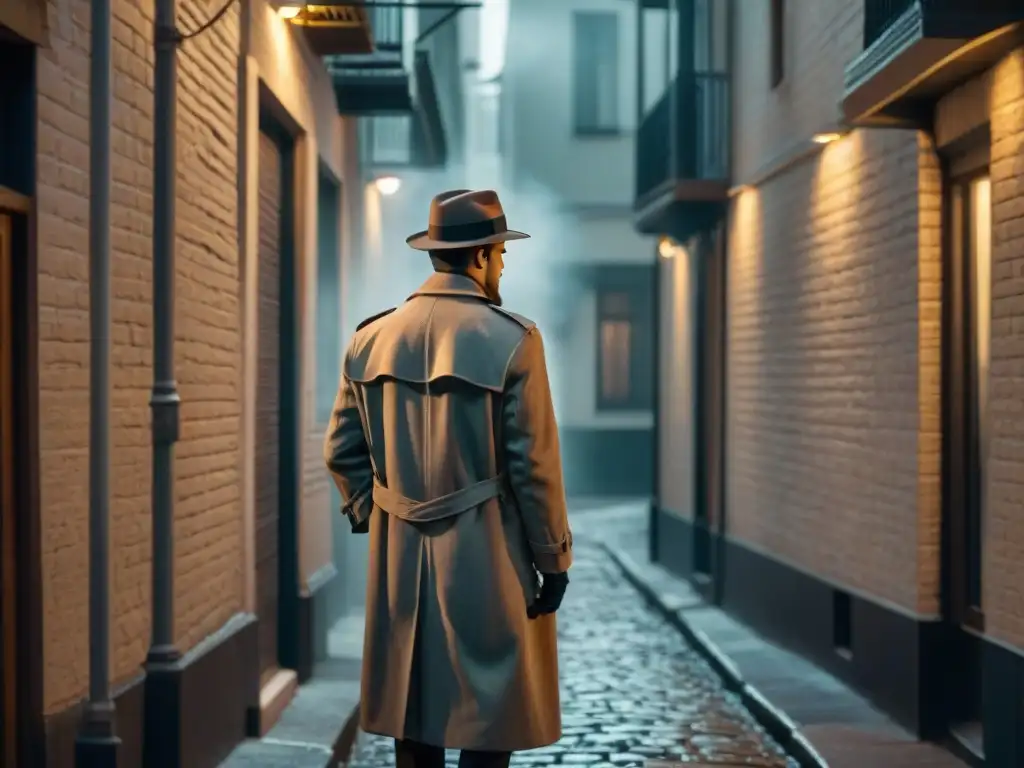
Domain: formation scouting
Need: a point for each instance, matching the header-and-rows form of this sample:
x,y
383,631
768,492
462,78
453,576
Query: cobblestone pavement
x,y
632,690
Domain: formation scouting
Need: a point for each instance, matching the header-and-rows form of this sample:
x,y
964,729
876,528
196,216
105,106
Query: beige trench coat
x,y
444,445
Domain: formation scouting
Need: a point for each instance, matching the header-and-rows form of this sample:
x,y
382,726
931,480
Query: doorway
x,y
708,416
8,546
966,330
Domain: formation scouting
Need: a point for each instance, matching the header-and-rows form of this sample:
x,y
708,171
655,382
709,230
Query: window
x,y
777,23
328,299
623,362
596,73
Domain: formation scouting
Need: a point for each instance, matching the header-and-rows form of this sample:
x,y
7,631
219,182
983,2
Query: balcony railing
x,y
377,82
880,15
386,23
916,50
940,18
685,136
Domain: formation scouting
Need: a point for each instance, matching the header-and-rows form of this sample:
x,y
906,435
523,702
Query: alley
x,y
632,690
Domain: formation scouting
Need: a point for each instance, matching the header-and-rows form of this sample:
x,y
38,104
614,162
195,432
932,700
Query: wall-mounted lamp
x,y
388,185
827,137
289,9
667,248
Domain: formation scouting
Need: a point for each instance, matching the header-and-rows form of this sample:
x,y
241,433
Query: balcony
x,y
377,82
917,50
333,30
682,156
395,142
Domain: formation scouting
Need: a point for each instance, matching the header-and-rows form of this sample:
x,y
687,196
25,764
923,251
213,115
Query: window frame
x,y
637,397
963,496
585,128
777,47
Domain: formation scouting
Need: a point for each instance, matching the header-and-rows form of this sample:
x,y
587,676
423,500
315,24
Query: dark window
x,y
596,73
328,299
623,366
778,24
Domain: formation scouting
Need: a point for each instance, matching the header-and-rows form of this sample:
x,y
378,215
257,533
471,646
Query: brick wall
x,y
208,522
833,343
821,36
1003,576
675,391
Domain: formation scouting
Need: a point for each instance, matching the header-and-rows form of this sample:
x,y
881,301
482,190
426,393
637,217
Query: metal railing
x,y
879,15
387,140
386,23
971,17
686,134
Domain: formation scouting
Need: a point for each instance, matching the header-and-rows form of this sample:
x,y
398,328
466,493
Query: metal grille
x,y
388,139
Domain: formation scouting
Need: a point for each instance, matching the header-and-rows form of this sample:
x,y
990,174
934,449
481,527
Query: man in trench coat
x,y
444,446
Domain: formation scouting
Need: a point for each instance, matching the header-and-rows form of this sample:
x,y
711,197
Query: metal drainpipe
x,y
97,744
164,400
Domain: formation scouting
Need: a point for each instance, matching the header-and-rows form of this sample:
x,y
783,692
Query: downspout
x,y
97,744
164,399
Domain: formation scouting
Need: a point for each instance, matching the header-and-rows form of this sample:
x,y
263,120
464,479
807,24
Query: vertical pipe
x,y
164,400
97,744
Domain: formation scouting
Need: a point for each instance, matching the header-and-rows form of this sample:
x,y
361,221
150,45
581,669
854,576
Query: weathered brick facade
x,y
208,521
1003,572
218,105
834,347
834,277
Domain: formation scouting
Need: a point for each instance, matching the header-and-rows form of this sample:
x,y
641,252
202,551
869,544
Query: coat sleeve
x,y
348,458
532,456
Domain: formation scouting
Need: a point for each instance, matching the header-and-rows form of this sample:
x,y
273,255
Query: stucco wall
x,y
538,89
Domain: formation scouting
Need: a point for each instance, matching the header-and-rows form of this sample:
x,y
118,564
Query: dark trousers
x,y
411,754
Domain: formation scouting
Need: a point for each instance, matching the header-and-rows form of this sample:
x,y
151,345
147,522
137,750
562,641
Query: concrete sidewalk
x,y
319,727
814,716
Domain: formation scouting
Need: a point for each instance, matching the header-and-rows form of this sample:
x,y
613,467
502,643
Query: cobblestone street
x,y
632,690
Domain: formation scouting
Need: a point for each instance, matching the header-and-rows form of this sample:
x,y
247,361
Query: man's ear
x,y
480,257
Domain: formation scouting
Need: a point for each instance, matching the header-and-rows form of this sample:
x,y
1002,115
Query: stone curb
x,y
772,719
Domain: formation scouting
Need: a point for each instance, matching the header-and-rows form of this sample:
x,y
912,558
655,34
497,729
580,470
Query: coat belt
x,y
449,505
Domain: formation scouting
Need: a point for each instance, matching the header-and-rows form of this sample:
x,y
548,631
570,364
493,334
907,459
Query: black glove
x,y
552,591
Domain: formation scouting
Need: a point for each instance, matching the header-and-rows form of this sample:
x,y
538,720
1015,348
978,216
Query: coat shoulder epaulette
x,y
526,323
372,318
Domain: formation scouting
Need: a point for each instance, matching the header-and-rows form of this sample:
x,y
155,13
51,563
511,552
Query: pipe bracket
x,y
165,405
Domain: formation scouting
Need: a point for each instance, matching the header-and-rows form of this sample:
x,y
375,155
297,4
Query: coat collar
x,y
447,284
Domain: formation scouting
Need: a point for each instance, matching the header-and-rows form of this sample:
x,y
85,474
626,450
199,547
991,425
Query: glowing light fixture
x,y
826,138
667,248
289,10
388,185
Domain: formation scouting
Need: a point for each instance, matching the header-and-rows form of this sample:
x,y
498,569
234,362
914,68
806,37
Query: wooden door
x,y
268,404
8,560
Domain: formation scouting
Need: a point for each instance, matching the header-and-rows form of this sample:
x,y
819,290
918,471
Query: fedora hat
x,y
461,218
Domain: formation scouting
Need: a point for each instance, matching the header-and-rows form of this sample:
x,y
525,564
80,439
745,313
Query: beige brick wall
x,y
833,342
676,436
821,36
208,524
1003,576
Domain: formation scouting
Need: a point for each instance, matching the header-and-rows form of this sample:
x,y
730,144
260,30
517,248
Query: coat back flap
x,y
434,337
